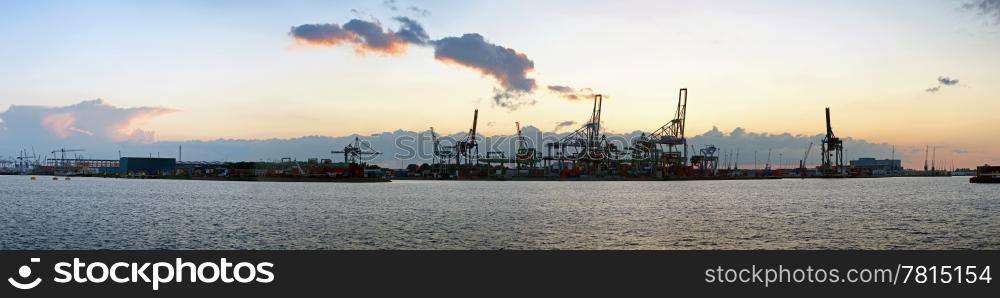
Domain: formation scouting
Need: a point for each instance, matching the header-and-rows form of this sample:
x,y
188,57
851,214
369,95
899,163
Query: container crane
x,y
707,161
587,140
63,151
767,166
526,155
670,136
354,152
586,145
927,151
833,151
442,154
934,160
25,161
468,149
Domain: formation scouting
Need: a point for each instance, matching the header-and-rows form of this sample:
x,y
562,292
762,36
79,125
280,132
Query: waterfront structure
x,y
868,166
146,166
986,174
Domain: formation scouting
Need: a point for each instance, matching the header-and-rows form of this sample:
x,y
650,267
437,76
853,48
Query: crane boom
x,y
767,166
829,129
805,159
672,133
475,120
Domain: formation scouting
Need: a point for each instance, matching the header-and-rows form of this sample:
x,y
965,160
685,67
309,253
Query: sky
x,y
909,74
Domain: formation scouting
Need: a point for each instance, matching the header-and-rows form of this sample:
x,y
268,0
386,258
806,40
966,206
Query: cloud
x,y
394,6
412,32
371,37
511,100
989,8
63,125
571,93
507,66
322,34
561,89
564,124
947,81
93,120
420,11
944,81
390,4
365,36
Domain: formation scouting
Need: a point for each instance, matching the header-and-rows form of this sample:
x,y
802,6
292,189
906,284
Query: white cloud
x,y
91,121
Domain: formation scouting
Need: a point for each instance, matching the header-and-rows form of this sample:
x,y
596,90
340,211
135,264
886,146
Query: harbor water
x,y
888,213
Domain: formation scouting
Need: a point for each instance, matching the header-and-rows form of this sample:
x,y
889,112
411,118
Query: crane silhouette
x,y
63,151
354,151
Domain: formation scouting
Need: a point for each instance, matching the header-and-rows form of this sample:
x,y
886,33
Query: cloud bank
x,y
787,149
90,120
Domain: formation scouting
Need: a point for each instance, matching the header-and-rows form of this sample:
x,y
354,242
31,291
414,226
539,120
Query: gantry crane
x,y
354,152
26,162
442,154
62,158
587,141
468,150
707,161
660,146
833,151
526,155
767,165
586,146
927,152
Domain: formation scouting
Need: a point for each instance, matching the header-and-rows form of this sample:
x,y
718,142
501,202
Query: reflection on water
x,y
896,213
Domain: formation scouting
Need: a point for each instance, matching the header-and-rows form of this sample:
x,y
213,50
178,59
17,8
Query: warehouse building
x,y
143,166
877,167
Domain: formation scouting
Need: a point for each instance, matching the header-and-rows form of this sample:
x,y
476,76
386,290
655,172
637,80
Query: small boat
x,y
55,178
34,178
67,178
986,174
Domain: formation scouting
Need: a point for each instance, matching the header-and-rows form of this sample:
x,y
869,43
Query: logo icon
x,y
25,272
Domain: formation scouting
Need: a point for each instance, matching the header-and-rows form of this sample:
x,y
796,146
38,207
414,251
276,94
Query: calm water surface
x,y
895,213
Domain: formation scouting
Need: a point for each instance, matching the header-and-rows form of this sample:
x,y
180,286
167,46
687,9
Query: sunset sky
x,y
231,69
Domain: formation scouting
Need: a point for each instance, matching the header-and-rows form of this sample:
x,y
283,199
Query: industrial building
x,y
145,166
868,166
